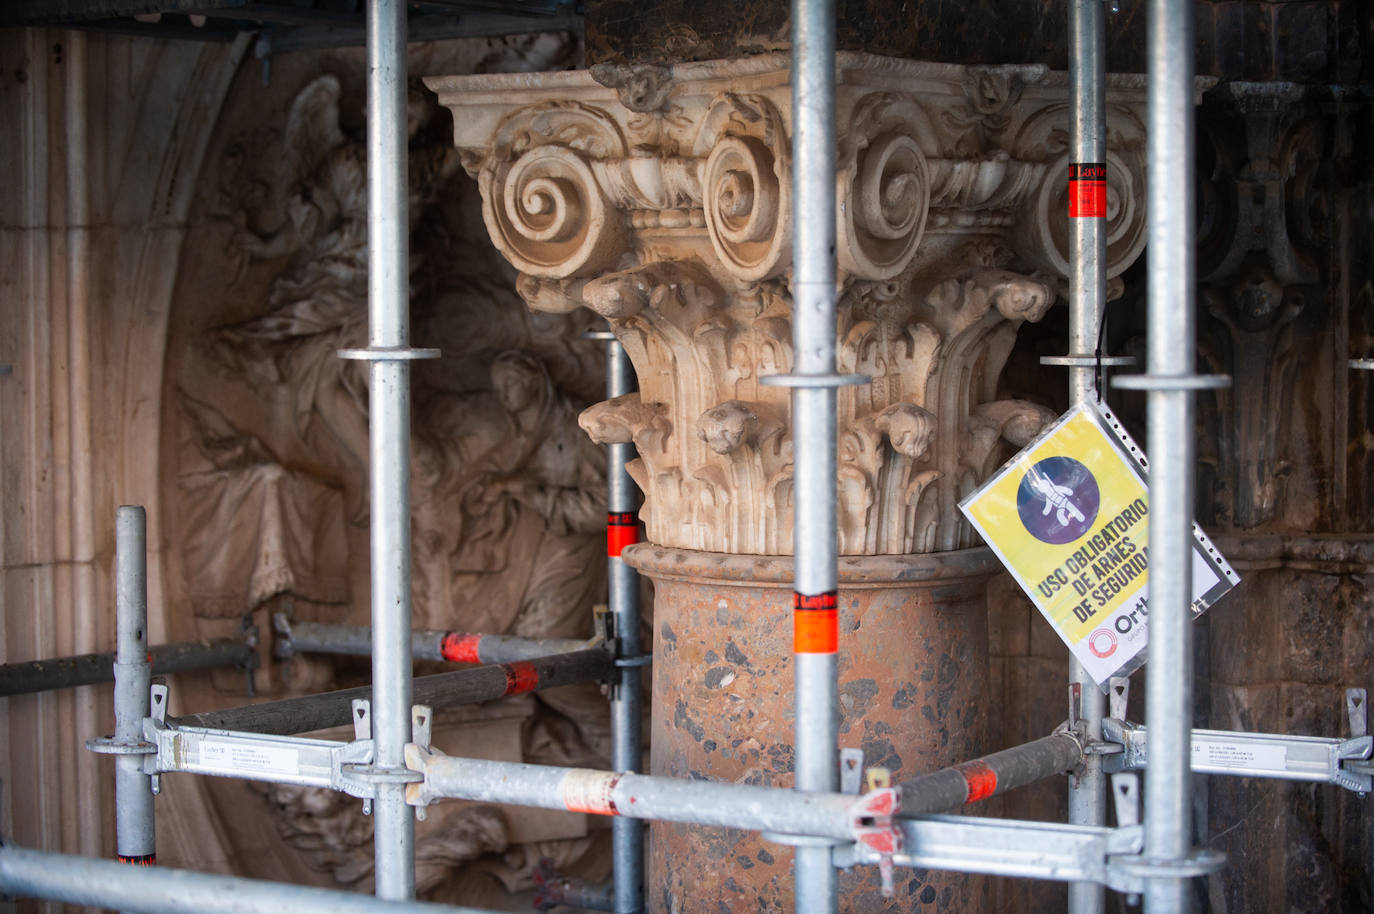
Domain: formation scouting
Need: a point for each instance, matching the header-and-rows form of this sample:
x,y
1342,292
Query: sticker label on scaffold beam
x,y
1070,518
1088,190
590,791
815,623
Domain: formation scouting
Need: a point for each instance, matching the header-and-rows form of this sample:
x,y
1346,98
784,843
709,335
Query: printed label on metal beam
x,y
1214,753
1088,190
815,623
1070,518
622,529
238,757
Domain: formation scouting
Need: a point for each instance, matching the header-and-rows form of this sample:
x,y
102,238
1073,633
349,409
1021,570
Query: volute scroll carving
x,y
882,210
543,206
746,186
950,201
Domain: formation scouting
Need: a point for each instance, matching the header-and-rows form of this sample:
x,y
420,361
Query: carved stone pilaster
x,y
1264,247
661,199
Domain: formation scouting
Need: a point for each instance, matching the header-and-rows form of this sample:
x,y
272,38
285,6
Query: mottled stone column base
x,y
913,679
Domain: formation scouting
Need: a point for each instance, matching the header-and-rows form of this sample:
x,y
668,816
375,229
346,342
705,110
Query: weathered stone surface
x,y
1317,41
913,695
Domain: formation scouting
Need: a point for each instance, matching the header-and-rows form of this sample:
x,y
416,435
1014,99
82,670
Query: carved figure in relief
x,y
508,496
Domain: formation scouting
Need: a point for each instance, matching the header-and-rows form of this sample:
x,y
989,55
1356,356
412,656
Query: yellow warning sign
x,y
1070,518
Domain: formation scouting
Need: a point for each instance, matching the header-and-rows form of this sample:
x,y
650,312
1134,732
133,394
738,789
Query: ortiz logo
x,y
1102,642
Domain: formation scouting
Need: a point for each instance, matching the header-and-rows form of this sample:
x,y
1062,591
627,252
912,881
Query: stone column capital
x,y
660,197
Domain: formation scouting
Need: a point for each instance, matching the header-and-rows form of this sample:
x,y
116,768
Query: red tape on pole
x,y
141,860
1088,190
815,623
521,677
460,647
980,778
622,529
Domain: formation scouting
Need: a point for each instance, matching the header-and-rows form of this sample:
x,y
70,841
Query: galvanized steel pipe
x,y
388,303
627,747
158,890
1171,343
333,709
639,796
992,775
93,669
135,839
1087,298
453,647
815,626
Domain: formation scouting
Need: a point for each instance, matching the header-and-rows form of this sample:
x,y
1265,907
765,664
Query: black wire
x,y
1097,353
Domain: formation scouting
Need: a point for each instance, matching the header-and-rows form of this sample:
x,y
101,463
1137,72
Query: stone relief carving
x,y
508,495
662,201
1261,243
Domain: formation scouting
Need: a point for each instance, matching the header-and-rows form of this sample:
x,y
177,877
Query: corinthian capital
x,y
662,200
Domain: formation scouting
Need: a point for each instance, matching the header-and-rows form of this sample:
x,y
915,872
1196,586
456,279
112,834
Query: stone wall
x,y
1311,41
1283,486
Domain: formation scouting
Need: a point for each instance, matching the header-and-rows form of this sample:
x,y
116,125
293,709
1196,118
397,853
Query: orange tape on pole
x,y
815,623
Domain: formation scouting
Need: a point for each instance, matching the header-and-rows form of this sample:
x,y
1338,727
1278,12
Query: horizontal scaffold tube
x,y
159,890
636,796
442,690
92,669
771,809
949,788
455,647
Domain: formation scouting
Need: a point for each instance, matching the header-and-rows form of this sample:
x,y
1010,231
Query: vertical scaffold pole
x,y
627,835
815,598
1087,297
135,839
1172,335
389,444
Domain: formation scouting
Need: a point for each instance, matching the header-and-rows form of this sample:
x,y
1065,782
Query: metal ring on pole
x,y
388,354
1362,364
1086,361
814,381
637,660
1168,382
376,774
108,745
1201,862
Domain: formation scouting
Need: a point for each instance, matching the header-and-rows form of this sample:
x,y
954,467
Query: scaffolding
x,y
832,822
